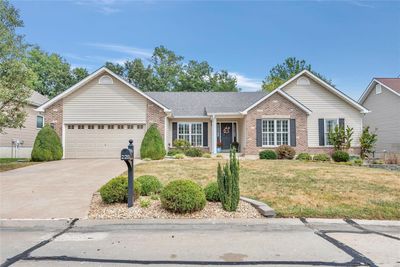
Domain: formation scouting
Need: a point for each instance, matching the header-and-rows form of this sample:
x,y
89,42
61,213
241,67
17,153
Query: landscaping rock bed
x,y
212,210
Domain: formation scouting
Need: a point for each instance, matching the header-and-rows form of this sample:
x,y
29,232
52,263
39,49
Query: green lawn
x,y
7,164
296,189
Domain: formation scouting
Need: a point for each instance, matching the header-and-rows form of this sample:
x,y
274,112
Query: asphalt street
x,y
263,242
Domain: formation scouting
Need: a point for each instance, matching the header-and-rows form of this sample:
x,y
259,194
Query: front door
x,y
226,135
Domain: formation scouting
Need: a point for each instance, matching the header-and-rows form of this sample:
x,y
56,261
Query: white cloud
x,y
247,84
124,49
106,7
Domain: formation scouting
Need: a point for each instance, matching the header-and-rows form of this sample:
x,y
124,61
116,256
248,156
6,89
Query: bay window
x,y
191,132
275,132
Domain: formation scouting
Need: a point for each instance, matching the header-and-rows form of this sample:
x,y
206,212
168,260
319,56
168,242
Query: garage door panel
x,y
100,143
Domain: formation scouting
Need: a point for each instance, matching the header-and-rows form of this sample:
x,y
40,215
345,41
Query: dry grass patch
x,y
7,164
295,188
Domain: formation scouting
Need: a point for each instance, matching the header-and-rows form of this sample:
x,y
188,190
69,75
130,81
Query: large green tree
x,y
53,74
15,76
167,71
280,73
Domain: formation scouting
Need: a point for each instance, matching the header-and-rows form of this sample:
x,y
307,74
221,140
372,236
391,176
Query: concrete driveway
x,y
58,189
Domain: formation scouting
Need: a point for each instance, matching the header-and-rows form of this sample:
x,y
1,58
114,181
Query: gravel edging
x,y
212,210
262,207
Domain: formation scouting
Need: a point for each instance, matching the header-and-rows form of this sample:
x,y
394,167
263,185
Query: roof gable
x,y
328,87
391,84
89,78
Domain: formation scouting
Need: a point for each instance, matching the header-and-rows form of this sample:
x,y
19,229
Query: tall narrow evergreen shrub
x,y
228,182
152,146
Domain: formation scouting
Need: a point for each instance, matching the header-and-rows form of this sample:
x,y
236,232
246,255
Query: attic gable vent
x,y
378,89
303,81
105,79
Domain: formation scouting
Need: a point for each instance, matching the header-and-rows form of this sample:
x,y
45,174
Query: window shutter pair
x,y
292,133
205,132
321,130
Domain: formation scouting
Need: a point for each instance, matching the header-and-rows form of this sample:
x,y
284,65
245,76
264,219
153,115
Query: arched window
x,y
303,81
105,79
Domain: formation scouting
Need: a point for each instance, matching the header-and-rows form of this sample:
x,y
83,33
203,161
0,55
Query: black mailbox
x,y
127,155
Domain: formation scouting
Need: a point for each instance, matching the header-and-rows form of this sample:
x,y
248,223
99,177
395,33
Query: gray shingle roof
x,y
203,103
37,99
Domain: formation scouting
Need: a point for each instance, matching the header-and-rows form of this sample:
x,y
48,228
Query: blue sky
x,y
347,41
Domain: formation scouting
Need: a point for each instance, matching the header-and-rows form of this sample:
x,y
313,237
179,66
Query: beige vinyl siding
x,y
27,133
105,103
384,118
324,104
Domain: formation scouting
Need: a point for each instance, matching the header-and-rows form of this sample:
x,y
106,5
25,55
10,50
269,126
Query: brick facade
x,y
54,115
276,106
156,115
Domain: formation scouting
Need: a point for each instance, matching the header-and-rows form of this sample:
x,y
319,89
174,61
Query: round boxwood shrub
x,y
152,145
267,154
285,152
212,192
321,157
150,184
340,156
47,145
303,156
116,190
182,196
194,152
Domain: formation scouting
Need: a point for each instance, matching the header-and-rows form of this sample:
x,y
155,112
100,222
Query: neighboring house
x,y
24,136
96,117
382,98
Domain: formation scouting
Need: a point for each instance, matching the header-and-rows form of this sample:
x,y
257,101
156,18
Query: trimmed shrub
x,y
47,145
181,144
183,196
267,154
174,151
340,156
219,156
194,152
358,162
321,157
150,184
207,155
228,182
144,203
179,156
116,190
212,192
152,145
285,152
304,156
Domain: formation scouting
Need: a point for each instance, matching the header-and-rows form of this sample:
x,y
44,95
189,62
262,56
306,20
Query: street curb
x,y
263,208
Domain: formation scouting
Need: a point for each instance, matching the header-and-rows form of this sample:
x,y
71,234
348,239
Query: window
x,y
130,126
330,125
80,126
101,127
120,127
39,121
140,126
275,132
378,89
90,127
192,132
71,127
110,127
105,79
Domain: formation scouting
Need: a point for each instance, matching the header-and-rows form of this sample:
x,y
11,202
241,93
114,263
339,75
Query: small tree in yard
x,y
228,182
341,138
47,145
367,142
152,145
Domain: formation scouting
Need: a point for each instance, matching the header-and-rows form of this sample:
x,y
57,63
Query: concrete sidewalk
x,y
263,242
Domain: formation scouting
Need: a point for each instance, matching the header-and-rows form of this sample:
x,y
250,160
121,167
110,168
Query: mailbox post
x,y
127,155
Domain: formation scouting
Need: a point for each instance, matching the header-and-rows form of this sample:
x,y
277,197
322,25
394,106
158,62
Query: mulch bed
x,y
212,210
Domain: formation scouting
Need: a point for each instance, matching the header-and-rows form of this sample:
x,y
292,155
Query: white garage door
x,y
101,141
